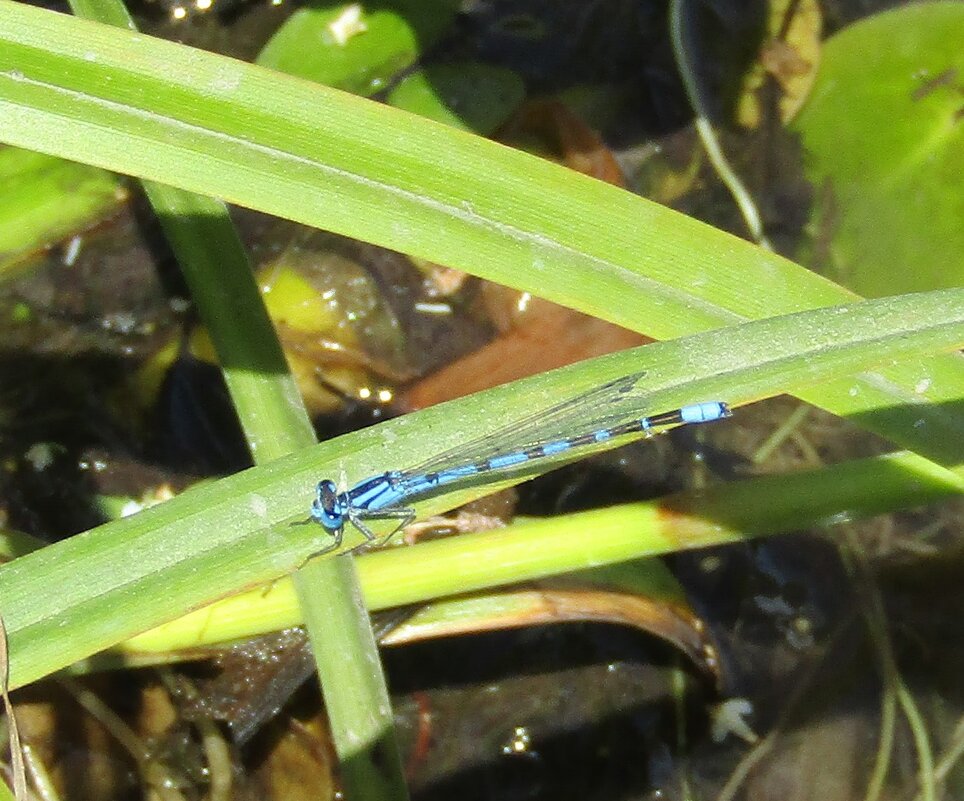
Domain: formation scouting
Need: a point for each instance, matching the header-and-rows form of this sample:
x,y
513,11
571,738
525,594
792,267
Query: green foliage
x,y
885,151
354,48
474,97
46,198
283,145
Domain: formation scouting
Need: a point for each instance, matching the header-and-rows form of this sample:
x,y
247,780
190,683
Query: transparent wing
x,y
617,401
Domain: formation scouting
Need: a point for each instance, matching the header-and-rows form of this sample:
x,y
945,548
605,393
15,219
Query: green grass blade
x,y
276,423
233,533
282,145
730,512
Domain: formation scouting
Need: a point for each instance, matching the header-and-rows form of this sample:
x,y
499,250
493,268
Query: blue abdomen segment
x,y
704,412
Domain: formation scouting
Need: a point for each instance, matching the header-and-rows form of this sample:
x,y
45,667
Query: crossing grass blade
x,y
236,532
216,126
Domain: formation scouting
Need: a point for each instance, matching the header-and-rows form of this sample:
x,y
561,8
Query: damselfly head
x,y
326,507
